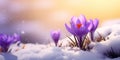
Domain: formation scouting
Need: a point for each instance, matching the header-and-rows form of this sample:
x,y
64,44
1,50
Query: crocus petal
x,y
55,36
84,30
73,22
78,21
95,23
90,25
83,20
9,39
74,19
69,29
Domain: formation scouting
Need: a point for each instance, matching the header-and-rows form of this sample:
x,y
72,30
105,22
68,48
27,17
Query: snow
x,y
108,31
30,51
42,52
105,46
7,56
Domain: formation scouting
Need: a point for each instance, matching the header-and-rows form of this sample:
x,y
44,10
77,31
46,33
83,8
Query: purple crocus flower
x,y
79,27
55,36
94,23
7,40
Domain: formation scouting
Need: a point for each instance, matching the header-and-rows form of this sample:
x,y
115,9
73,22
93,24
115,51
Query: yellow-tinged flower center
x,y
79,25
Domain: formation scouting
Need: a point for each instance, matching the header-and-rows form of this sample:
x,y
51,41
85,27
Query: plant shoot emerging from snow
x,y
94,23
55,36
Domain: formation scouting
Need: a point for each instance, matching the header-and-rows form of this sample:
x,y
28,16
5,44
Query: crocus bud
x,y
94,23
55,36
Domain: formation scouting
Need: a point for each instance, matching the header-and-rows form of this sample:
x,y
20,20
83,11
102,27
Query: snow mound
x,y
108,31
43,52
105,46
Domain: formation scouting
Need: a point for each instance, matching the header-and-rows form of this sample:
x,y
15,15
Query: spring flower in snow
x,y
55,36
94,23
79,27
7,40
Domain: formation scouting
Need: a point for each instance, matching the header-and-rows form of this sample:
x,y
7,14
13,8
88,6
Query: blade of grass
x,y
71,40
76,42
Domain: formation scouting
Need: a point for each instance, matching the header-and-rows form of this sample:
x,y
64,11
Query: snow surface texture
x,y
111,34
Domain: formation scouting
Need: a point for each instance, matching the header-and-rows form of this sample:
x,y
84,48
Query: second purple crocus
x,y
7,40
55,36
94,23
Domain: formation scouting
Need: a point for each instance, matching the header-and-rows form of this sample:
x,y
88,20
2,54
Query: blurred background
x,y
34,19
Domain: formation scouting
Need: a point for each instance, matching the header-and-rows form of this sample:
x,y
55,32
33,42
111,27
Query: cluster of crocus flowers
x,y
80,27
7,40
55,36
